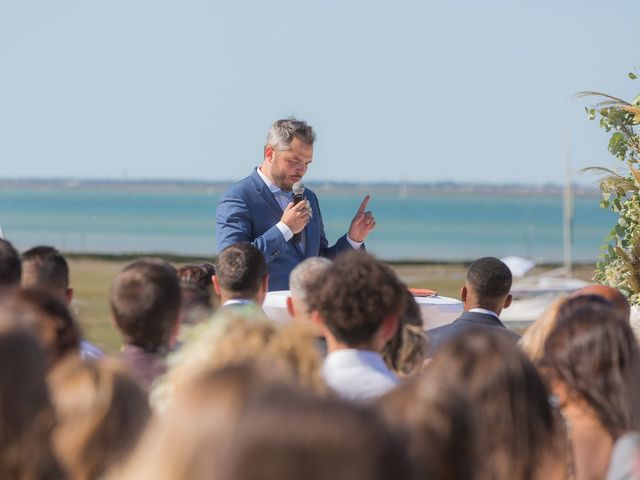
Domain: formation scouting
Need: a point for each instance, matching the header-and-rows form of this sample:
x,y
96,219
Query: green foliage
x,y
620,261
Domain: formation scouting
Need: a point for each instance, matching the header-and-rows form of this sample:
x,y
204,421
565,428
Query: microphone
x,y
298,196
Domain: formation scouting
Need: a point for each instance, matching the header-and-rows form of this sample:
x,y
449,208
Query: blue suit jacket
x,y
439,335
248,212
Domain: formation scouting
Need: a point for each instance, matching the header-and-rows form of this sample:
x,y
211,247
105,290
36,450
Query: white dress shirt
x,y
359,375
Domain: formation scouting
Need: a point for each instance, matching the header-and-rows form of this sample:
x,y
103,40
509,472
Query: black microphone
x,y
298,196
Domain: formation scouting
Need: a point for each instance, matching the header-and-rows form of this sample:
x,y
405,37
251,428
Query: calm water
x,y
430,226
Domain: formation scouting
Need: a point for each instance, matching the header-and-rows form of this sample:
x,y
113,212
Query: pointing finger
x,y
363,205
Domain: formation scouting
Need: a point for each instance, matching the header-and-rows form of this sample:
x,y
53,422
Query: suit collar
x,y
483,318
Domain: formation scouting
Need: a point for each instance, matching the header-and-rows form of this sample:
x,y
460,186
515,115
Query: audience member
x,y
304,277
519,433
484,295
196,287
356,306
435,414
241,275
532,341
101,413
10,268
244,336
145,302
26,415
591,361
45,268
405,352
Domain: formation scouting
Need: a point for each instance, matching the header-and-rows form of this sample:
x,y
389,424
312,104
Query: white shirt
x,y
359,375
485,311
283,200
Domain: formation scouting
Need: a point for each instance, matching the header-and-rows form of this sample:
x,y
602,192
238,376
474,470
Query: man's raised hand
x,y
362,223
296,217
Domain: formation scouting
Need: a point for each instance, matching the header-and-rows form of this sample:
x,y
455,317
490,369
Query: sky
x,y
402,91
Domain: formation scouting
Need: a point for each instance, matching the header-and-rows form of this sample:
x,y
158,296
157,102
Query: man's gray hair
x,y
282,133
306,274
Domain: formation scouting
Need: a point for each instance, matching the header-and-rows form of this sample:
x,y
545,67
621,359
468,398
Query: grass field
x,y
91,279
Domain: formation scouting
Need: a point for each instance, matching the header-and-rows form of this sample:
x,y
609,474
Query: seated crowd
x,y
207,387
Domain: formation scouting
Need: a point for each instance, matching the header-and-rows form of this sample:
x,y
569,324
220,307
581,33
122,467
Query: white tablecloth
x,y
435,310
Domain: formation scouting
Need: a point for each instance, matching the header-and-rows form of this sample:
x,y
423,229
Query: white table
x,y
436,310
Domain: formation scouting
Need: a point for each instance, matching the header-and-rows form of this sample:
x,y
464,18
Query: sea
x,y
413,224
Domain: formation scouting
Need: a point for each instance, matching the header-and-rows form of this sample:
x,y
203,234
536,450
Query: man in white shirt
x,y
356,306
241,276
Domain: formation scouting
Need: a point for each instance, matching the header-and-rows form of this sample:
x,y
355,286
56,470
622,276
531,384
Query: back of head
x,y
532,341
145,301
434,413
241,270
26,414
55,326
490,279
613,295
282,133
304,278
516,422
355,296
10,268
592,351
196,288
101,413
315,439
45,268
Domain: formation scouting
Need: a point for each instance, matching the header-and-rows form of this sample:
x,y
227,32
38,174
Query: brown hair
x,y
405,352
355,296
101,414
593,352
145,301
10,267
435,414
241,268
45,268
517,425
196,288
26,414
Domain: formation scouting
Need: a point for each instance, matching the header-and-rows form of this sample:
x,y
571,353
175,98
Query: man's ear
x,y
269,153
463,293
389,326
508,301
216,284
68,295
265,284
290,308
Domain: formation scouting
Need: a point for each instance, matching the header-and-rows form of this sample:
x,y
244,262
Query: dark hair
x,y
196,289
313,438
434,413
26,415
355,295
145,301
489,277
55,326
516,424
10,268
45,268
197,273
592,351
241,268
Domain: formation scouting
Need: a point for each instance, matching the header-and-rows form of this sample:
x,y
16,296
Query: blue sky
x,y
400,91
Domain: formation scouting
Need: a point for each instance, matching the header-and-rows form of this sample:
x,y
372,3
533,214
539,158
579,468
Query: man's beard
x,y
280,178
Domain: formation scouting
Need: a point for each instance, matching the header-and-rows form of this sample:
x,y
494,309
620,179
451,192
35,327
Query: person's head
x,y
10,267
196,287
434,413
516,424
313,438
611,294
405,352
241,272
101,413
487,285
45,268
591,360
303,279
26,414
145,303
288,151
56,329
358,302
532,341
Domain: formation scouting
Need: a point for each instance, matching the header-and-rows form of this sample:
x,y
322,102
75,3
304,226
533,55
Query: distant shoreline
x,y
213,187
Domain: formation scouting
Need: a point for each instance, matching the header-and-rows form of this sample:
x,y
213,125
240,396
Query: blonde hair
x,y
532,341
243,335
101,414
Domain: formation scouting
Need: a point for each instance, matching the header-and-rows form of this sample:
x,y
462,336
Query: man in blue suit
x,y
259,209
485,293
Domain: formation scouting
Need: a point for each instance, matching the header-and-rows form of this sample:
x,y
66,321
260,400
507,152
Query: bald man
x,y
613,295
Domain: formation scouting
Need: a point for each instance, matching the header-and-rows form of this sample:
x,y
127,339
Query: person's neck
x,y
266,171
475,304
334,345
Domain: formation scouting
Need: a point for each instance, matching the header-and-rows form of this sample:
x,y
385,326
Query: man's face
x,y
289,166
